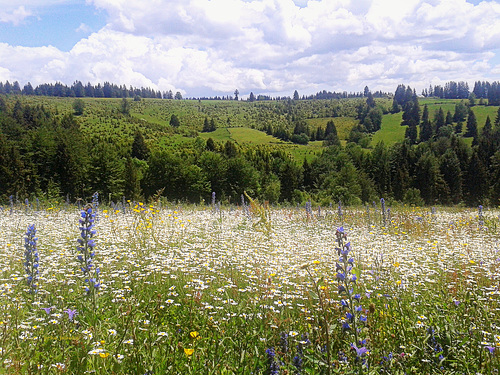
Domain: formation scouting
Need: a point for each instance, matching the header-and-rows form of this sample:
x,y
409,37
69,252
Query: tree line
x,y
488,93
79,90
45,154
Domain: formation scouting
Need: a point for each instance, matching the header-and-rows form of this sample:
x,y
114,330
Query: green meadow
x,y
184,289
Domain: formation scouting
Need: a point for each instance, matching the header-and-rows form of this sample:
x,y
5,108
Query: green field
x,y
392,131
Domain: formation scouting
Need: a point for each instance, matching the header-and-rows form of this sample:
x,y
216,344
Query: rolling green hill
x,y
243,122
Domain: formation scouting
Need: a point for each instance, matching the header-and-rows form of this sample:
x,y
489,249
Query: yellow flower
x,y
188,352
193,334
103,355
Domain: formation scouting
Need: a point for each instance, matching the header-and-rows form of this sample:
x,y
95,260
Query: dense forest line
x,y
46,154
483,90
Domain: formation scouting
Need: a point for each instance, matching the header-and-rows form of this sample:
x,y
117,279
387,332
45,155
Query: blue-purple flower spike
x,y
86,253
31,259
350,301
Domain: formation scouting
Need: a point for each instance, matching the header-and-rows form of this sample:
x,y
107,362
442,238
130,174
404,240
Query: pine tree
x,y
125,107
139,148
439,120
174,121
495,179
331,137
472,126
428,178
206,125
411,132
476,180
132,186
449,118
307,177
460,112
320,133
212,125
452,174
425,126
78,107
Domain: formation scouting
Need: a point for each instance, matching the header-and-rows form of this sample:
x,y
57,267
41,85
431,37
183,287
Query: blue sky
x,y
211,47
60,25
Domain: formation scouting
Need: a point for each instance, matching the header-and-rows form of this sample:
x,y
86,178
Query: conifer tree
x,y
452,174
139,148
425,126
174,121
472,126
439,120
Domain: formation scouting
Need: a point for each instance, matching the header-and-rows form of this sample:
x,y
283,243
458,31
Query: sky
x,y
270,47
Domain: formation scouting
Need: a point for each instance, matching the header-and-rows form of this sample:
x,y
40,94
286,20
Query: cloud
x,y
15,16
202,47
83,28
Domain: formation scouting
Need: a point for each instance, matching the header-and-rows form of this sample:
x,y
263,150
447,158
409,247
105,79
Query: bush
x,y
78,107
301,139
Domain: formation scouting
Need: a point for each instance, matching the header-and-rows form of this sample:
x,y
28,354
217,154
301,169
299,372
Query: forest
x,y
136,146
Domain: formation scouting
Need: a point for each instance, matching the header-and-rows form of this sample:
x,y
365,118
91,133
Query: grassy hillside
x,y
239,121
392,131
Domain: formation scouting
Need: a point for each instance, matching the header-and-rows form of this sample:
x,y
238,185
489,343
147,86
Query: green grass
x,y
482,112
219,135
342,124
390,131
252,137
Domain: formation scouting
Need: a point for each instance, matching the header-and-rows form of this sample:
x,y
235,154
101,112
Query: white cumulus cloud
x,y
204,47
14,16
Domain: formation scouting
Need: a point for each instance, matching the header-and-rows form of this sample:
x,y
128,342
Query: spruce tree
x,y
449,118
439,120
139,148
476,181
206,125
472,126
411,132
452,174
331,137
425,126
174,121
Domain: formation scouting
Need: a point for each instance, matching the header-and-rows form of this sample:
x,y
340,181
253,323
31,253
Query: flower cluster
x,y
85,248
350,301
309,209
31,259
273,365
434,346
382,204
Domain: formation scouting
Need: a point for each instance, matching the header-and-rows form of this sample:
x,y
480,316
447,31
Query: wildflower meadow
x,y
165,288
